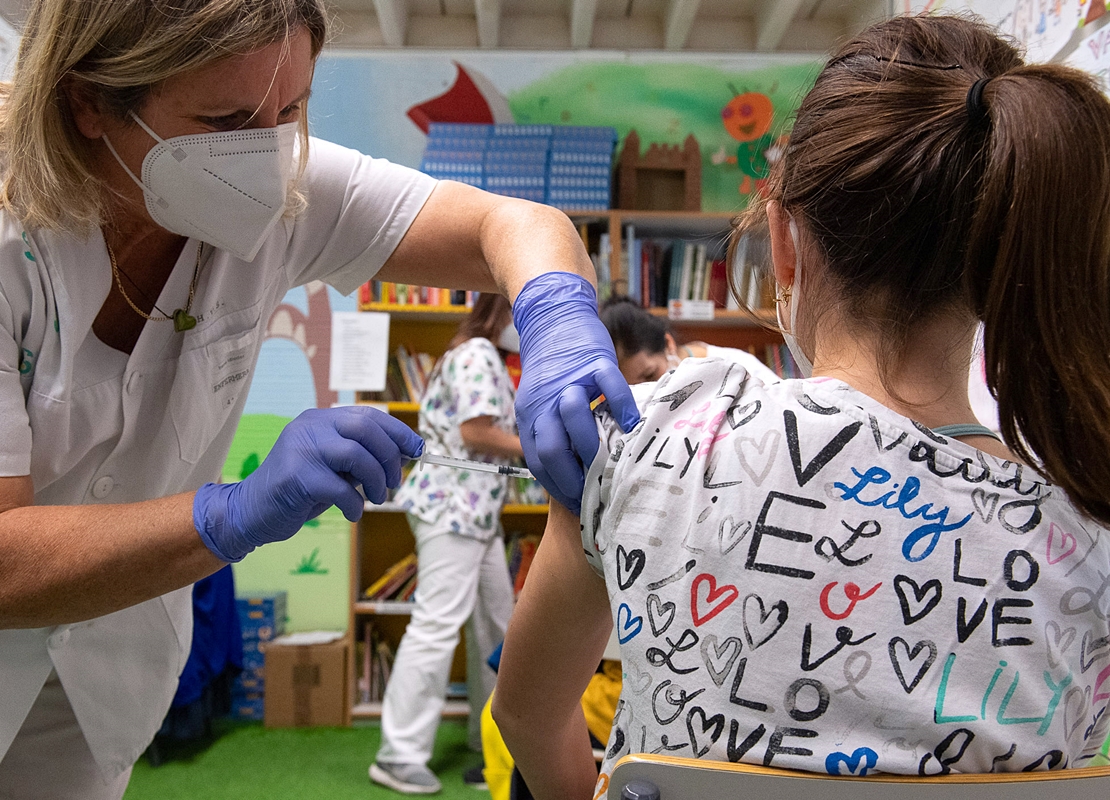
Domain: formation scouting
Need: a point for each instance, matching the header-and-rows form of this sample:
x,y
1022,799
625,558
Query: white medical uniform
x,y
94,425
753,365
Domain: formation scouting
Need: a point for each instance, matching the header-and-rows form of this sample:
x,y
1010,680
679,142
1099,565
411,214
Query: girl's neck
x,y
928,385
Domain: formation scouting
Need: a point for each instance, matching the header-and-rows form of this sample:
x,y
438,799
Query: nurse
x,y
160,195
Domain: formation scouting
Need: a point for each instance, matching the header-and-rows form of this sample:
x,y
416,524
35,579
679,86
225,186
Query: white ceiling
x,y
695,25
676,25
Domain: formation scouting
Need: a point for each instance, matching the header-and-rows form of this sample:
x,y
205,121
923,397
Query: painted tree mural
x,y
312,333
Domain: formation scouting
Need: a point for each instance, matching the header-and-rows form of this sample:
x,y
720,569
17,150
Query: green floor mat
x,y
249,762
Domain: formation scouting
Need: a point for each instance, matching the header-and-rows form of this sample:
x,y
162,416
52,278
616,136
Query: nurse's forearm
x,y
464,238
64,564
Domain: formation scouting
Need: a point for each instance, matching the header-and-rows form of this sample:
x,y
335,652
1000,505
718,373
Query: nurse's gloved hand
x,y
567,360
317,462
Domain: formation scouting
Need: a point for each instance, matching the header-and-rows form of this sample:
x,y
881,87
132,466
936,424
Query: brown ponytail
x,y
1039,273
924,198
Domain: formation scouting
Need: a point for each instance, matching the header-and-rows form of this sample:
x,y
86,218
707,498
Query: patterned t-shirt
x,y
801,577
471,381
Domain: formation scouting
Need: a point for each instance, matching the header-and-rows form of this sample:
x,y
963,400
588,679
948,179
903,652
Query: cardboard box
x,y
306,681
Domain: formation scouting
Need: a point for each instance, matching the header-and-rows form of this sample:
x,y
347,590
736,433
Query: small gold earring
x,y
784,293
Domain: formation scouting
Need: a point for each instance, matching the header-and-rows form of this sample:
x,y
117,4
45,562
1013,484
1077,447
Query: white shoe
x,y
405,778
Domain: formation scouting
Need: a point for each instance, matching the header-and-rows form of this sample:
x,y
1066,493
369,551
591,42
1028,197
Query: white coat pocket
x,y
210,382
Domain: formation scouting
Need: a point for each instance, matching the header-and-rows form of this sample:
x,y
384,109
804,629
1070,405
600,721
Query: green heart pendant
x,y
183,321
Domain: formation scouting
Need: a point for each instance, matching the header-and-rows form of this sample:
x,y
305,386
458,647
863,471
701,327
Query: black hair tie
x,y
976,110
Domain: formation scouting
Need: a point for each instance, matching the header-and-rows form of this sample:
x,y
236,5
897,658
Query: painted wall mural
x,y
737,107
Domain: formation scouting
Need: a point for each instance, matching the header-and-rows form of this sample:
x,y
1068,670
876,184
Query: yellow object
x,y
599,702
499,763
390,574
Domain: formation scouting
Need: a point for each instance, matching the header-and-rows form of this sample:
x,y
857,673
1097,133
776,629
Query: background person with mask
x,y
160,195
646,348
455,515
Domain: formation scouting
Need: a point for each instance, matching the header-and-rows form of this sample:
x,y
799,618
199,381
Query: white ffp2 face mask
x,y
791,336
226,189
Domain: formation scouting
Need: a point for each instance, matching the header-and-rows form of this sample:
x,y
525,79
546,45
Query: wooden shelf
x,y
724,319
535,508
418,313
453,709
398,407
396,607
391,406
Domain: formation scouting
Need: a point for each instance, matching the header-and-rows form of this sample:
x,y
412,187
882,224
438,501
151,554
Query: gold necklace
x,y
181,318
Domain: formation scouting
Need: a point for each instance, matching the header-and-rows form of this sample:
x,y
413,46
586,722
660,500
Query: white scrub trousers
x,y
459,580
49,758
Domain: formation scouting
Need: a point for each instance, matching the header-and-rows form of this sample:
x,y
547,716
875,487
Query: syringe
x,y
466,463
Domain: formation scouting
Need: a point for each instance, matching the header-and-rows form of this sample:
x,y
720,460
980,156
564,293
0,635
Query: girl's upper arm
x,y
559,629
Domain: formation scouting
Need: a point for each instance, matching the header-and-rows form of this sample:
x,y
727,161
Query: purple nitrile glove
x,y
316,463
567,360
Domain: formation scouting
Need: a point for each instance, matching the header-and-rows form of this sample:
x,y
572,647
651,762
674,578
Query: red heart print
x,y
1102,676
1064,548
717,599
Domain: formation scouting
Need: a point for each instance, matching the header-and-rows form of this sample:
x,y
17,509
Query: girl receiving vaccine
x,y
846,573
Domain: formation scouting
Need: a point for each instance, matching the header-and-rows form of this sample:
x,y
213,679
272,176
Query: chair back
x,y
635,776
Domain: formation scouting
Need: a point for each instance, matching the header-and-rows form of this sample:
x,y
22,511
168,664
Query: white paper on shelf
x,y
691,309
307,637
359,351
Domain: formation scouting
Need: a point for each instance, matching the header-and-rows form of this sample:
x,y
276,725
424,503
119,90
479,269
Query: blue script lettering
x,y
936,522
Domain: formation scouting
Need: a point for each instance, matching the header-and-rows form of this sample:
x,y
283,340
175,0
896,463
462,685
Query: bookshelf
x,y
382,537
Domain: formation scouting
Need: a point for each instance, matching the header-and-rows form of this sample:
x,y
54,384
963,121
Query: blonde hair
x,y
117,51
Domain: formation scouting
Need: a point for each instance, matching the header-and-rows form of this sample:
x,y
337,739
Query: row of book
x,y
779,359
660,270
396,584
375,655
406,377
407,294
656,270
567,166
520,552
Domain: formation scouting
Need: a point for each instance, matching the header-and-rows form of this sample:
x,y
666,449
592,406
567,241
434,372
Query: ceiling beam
x,y
393,18
771,21
582,13
488,13
679,21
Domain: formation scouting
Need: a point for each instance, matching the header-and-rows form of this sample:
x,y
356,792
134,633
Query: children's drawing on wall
x,y
748,118
1047,28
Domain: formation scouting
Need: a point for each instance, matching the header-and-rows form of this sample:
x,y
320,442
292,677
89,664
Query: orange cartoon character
x,y
747,117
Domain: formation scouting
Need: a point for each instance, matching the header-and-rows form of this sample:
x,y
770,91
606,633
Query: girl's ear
x,y
84,107
672,345
782,244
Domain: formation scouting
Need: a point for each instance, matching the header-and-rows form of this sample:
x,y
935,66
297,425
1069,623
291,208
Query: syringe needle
x,y
476,466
